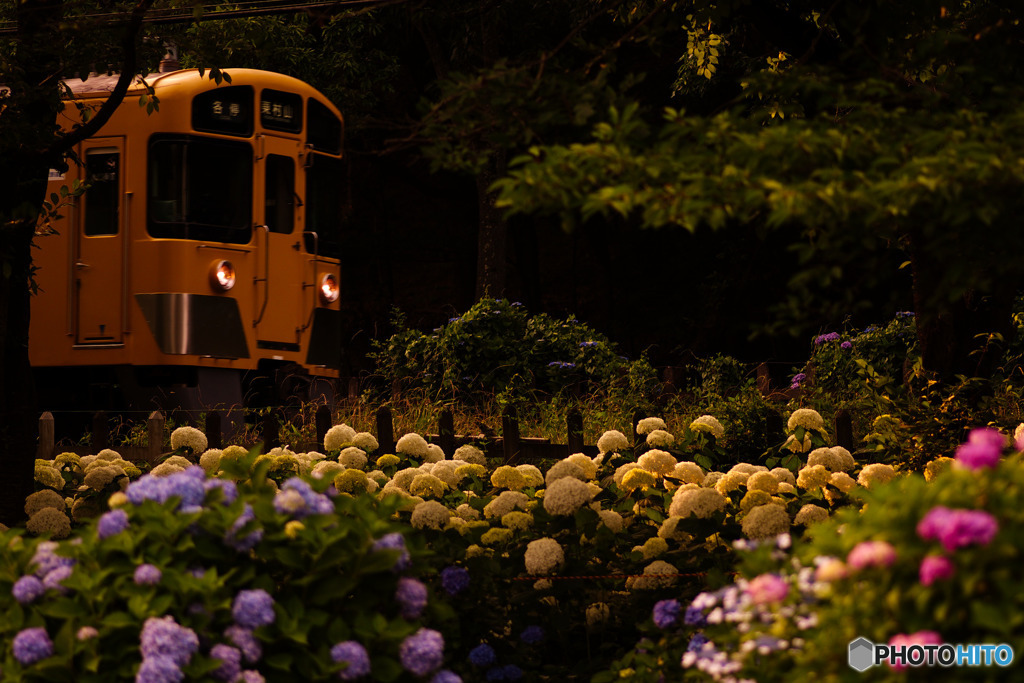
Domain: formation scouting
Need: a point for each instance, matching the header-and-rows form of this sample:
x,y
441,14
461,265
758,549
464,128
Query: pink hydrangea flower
x,y
919,638
871,554
935,568
957,528
984,448
767,588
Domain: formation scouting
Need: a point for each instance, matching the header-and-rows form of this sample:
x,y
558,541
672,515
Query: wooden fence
x,y
510,446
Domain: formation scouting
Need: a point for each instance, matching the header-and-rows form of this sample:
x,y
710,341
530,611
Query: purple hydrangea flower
x,y
32,645
46,560
935,568
249,676
112,523
147,575
245,640
411,595
159,670
227,488
694,616
697,642
957,528
871,554
298,499
446,676
482,655
454,580
27,588
846,346
355,656
52,580
823,338
166,638
984,448
665,613
422,652
253,608
250,540
230,662
395,541
532,635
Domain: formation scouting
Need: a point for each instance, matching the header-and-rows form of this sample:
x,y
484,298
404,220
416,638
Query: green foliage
x,y
497,347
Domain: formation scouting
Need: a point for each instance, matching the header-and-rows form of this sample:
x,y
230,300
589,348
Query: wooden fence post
x,y
385,430
100,431
46,436
155,428
214,434
844,429
510,433
323,424
574,427
446,432
271,431
764,379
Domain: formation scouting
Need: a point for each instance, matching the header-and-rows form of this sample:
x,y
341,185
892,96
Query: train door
x,y
99,244
279,300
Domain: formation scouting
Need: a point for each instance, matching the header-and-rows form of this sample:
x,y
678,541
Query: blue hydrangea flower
x,y
665,613
411,596
227,488
353,654
482,655
454,580
32,645
245,640
112,523
532,635
27,588
164,637
230,662
253,608
395,541
159,670
46,560
696,643
298,499
694,616
446,676
422,652
147,575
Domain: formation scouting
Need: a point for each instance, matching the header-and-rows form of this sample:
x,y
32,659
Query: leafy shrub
x,y
498,347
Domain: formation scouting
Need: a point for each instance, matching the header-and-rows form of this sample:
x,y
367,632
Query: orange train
x,y
203,261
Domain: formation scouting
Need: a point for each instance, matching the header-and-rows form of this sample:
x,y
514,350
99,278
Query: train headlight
x,y
329,288
222,276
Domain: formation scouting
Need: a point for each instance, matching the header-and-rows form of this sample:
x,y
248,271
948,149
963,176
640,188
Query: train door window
x,y
279,199
324,128
325,209
102,172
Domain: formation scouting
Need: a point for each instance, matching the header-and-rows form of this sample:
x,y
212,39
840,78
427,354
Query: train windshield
x,y
325,194
200,189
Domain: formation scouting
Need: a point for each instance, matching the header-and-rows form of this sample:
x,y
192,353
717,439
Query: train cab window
x,y
324,128
200,188
281,111
102,172
325,208
279,200
226,110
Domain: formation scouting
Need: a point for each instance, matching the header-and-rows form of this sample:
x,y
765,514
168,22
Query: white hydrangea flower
x,y
620,472
659,438
434,453
566,495
532,475
611,519
784,475
688,472
612,441
806,418
810,514
709,424
430,514
598,613
561,469
764,521
327,468
505,502
700,502
586,465
337,436
353,457
874,474
183,437
658,574
649,424
366,441
470,454
543,556
657,461
414,445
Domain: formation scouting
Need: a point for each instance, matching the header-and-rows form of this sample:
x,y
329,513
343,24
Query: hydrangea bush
x,y
199,578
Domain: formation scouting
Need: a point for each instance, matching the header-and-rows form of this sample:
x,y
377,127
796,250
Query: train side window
x,y
279,199
103,173
325,208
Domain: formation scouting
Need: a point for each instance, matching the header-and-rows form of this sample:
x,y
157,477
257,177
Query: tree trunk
x,y
492,237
